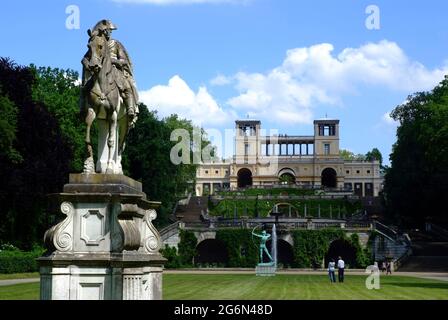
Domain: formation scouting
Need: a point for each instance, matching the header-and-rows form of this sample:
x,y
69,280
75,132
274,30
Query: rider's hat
x,y
105,25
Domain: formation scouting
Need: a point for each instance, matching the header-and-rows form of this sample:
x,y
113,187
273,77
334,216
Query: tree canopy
x,y
372,155
417,182
35,161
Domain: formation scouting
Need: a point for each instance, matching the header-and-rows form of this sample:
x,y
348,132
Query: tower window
x,y
253,130
327,149
327,130
246,149
244,131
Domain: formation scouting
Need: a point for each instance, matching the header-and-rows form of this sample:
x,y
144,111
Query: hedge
x,y
183,257
241,248
261,208
18,261
310,246
170,253
273,192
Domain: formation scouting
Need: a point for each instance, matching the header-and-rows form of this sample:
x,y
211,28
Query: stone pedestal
x,y
106,247
265,270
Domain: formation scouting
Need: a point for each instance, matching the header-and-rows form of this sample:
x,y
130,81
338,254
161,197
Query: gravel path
x,y
17,281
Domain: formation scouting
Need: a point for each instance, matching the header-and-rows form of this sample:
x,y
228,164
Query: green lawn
x,y
26,291
283,287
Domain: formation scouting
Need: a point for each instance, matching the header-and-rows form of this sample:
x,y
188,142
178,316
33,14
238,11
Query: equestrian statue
x,y
108,94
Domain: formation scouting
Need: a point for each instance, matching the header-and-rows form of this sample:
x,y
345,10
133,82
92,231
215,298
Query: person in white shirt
x,y
331,267
341,267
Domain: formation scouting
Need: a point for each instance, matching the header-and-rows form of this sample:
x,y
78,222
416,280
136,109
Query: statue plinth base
x,y
107,247
266,269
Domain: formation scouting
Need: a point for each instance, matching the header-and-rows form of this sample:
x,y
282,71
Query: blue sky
x,y
284,62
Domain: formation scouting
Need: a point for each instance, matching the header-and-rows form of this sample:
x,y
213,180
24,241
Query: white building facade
x,y
305,161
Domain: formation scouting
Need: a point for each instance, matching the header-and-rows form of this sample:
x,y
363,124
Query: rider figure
x,y
264,236
122,71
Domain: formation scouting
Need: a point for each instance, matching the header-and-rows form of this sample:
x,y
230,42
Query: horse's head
x,y
97,46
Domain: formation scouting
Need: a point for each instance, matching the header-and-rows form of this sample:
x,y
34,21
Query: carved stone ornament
x,y
152,241
60,237
130,230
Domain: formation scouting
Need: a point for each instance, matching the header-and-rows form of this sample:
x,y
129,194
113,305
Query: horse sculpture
x,y
102,99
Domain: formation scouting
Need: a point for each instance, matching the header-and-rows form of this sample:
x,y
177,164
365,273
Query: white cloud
x,y
387,119
221,80
182,2
178,98
315,75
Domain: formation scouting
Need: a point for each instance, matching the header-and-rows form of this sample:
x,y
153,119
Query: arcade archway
x,y
211,251
329,178
244,178
287,179
285,253
341,248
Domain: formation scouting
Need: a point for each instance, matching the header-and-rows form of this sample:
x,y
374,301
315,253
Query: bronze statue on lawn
x,y
264,236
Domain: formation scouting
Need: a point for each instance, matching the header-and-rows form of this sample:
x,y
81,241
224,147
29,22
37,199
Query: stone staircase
x,y
193,211
429,253
390,245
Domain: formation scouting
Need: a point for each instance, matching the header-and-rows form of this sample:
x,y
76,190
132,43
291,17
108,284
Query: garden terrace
x,y
297,204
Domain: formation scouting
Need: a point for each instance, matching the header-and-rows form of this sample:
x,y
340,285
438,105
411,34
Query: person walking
x,y
331,267
383,267
388,268
341,267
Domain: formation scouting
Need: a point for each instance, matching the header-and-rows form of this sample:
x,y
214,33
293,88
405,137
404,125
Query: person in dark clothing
x,y
341,267
388,268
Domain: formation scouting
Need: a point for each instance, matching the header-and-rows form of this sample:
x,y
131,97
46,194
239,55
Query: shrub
x,y
242,250
13,260
363,256
261,207
187,248
310,246
170,253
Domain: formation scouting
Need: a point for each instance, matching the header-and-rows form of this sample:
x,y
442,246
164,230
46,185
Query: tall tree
x,y
59,90
417,183
45,161
350,156
375,155
8,130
